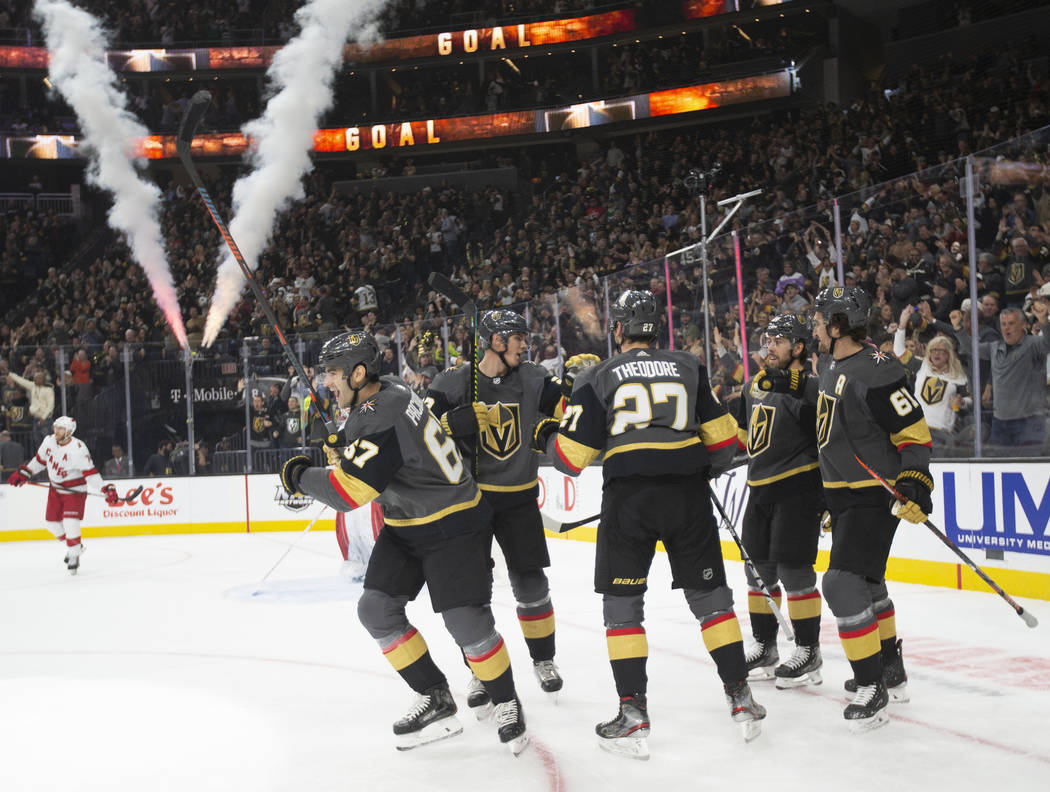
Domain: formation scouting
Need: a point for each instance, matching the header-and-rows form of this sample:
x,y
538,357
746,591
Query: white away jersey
x,y
69,466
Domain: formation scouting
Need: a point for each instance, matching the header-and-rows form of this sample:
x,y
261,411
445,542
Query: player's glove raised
x,y
573,366
333,446
112,498
542,433
466,420
790,381
916,486
19,477
292,472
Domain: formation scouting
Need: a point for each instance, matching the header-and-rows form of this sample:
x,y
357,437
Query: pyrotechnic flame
x,y
76,47
301,76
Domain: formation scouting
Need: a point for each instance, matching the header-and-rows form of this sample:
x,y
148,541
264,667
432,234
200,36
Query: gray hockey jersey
x,y
506,461
866,409
651,412
778,432
396,453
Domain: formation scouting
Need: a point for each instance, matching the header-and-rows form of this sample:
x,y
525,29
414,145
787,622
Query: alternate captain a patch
x,y
502,437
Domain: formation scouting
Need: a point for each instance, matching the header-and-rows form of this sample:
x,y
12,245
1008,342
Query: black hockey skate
x,y
432,718
744,709
73,558
761,658
510,724
867,711
478,699
548,677
802,668
894,675
627,733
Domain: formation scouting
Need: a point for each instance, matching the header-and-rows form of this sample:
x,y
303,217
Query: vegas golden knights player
x,y
782,521
511,393
435,531
864,408
651,412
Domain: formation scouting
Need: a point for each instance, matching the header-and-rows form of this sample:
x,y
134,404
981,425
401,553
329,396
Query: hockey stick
x,y
552,525
728,525
443,285
1028,618
183,145
126,499
291,547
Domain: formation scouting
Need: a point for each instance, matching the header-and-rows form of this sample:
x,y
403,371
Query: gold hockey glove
x,y
573,366
915,486
466,420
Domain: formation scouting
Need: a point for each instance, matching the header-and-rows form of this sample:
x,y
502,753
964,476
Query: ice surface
x,y
156,669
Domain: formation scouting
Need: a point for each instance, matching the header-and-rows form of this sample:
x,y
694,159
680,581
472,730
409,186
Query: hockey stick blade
x,y
441,284
195,111
132,495
593,519
554,526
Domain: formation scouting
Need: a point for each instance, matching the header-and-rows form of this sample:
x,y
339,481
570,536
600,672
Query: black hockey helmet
x,y
851,301
502,323
794,326
636,312
350,350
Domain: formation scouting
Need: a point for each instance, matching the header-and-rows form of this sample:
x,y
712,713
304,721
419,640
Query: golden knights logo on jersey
x,y
760,429
1015,273
825,415
502,437
933,390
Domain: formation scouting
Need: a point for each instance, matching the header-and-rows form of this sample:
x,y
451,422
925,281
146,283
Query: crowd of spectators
x,y
361,258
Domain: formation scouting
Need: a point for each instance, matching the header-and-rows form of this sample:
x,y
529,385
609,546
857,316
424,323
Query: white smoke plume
x,y
301,77
76,45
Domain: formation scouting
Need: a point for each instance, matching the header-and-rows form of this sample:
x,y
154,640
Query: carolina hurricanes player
x,y
70,470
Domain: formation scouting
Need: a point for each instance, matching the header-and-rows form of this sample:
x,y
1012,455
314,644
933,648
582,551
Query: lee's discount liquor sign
x,y
995,506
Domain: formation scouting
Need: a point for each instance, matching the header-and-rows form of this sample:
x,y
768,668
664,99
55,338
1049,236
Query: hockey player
x,y
865,409
70,471
512,394
435,532
664,436
784,507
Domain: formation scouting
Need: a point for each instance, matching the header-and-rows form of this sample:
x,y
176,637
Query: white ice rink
x,y
155,669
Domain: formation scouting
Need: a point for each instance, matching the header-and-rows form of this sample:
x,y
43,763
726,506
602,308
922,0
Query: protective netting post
x,y
245,352
740,305
127,405
670,307
187,359
608,334
62,376
557,336
975,334
838,245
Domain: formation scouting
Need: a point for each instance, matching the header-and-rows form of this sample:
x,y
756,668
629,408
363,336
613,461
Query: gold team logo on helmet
x,y
502,437
837,292
354,339
760,429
